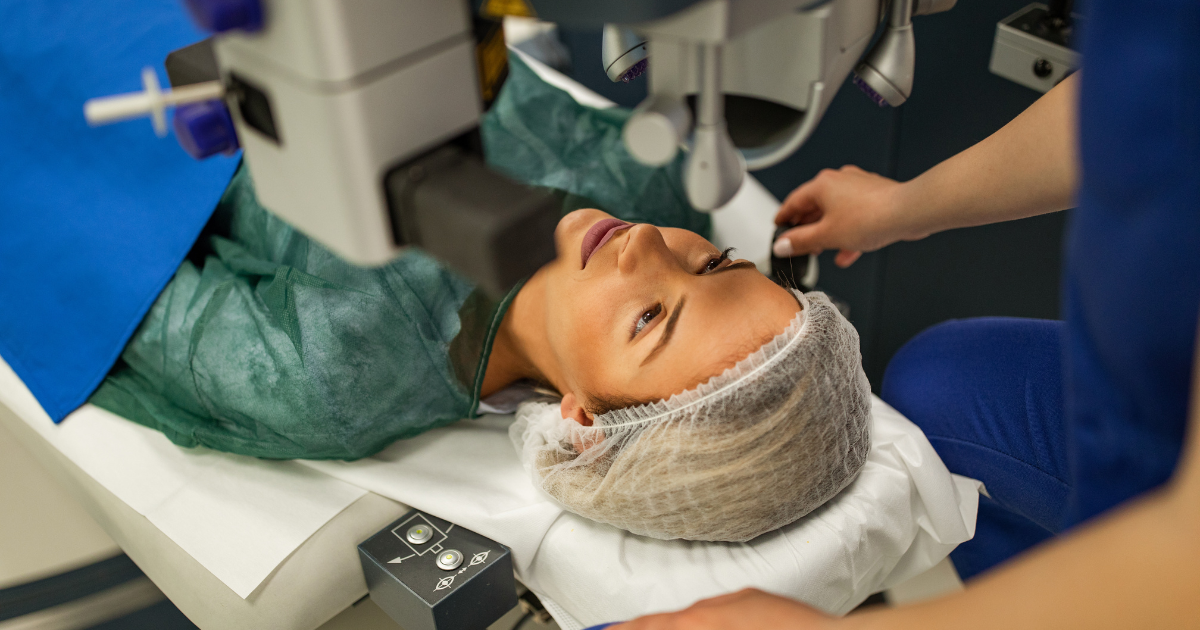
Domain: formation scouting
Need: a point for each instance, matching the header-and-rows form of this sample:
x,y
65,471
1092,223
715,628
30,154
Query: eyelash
x,y
716,262
648,316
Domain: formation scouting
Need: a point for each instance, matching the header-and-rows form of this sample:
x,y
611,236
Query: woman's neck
x,y
520,339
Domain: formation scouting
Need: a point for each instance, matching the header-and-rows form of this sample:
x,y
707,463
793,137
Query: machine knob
x,y
218,16
419,534
450,560
205,129
657,127
1042,68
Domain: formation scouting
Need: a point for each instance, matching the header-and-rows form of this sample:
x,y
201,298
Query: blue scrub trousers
x,y
1063,421
988,393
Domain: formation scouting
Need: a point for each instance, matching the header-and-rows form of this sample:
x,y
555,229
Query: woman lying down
x,y
699,400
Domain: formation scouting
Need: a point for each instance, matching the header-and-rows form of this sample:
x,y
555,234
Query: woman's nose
x,y
644,243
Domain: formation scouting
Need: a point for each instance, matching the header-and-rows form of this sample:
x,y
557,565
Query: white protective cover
x,y
902,515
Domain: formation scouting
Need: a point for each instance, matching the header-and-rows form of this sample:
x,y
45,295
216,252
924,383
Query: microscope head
x,y
623,53
886,72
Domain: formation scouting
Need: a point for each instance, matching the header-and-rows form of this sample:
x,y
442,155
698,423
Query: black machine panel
x,y
429,574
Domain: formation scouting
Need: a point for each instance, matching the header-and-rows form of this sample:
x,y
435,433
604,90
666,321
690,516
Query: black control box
x,y
429,574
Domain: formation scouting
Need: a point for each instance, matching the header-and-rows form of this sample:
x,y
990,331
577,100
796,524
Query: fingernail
x,y
782,248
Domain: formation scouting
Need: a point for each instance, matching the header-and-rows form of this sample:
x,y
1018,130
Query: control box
x,y
429,574
1033,48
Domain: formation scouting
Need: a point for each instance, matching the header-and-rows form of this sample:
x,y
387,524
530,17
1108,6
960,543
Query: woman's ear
x,y
572,410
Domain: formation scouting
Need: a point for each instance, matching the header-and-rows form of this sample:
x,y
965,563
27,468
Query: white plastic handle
x,y
153,101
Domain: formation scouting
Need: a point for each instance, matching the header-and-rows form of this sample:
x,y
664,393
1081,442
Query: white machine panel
x,y
338,40
335,146
798,49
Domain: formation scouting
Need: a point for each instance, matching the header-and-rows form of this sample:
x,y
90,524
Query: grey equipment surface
x,y
428,574
446,202
762,76
192,64
348,96
471,217
366,98
1033,46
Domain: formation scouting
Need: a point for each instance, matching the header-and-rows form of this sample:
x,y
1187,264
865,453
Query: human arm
x,y
1028,167
1135,567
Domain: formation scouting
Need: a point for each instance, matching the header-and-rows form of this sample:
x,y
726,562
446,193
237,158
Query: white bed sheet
x,y
239,517
903,515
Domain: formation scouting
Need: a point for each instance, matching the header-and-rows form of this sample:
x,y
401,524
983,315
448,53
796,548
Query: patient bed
x,y
237,542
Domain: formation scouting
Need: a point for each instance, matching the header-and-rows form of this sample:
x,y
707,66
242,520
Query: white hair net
x,y
750,450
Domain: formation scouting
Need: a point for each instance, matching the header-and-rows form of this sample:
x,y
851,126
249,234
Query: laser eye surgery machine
x,y
358,120
372,106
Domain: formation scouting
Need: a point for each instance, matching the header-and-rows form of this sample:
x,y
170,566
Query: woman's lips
x,y
598,235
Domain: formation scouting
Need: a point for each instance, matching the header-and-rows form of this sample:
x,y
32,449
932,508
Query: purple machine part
x,y
218,16
205,129
870,92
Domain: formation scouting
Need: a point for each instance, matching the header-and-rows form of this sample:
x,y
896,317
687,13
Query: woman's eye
x,y
646,318
716,261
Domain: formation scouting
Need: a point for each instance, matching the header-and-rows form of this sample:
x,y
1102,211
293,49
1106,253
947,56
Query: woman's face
x,y
653,312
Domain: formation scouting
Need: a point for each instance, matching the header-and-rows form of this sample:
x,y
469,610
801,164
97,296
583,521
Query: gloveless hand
x,y
749,609
848,209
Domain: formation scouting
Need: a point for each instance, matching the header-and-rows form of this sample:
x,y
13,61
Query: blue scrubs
x,y
1062,421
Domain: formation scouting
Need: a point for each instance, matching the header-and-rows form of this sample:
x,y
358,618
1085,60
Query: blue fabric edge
x,y
58,410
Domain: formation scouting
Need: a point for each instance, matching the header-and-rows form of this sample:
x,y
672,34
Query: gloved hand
x,y
848,209
749,609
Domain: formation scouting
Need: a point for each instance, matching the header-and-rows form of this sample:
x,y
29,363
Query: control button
x,y
419,534
449,559
1042,68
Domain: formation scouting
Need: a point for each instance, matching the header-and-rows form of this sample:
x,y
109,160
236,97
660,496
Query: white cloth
x,y
903,514
239,517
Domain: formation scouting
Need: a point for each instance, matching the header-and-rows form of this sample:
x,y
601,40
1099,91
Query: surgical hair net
x,y
752,449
